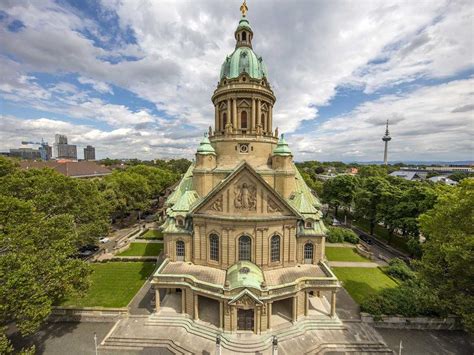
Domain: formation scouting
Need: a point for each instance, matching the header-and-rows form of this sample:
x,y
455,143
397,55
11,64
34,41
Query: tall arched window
x,y
263,122
243,119
245,248
275,248
224,119
214,247
308,253
180,250
244,36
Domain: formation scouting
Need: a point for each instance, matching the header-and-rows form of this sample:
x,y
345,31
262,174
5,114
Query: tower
x,y
386,138
242,214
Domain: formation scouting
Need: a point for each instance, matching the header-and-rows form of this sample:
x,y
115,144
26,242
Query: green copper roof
x,y
243,59
184,185
244,274
205,147
282,147
185,201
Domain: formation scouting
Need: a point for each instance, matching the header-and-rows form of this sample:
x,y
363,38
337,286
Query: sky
x,y
135,78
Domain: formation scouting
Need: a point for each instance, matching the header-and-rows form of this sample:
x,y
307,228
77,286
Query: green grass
x,y
362,283
113,284
143,249
152,234
343,254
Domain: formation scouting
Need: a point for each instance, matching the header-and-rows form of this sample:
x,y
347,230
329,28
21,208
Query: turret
x,y
205,164
282,163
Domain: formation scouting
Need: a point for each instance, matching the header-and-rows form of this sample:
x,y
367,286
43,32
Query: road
x,y
379,249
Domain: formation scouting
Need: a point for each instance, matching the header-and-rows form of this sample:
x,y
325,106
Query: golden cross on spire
x,y
244,8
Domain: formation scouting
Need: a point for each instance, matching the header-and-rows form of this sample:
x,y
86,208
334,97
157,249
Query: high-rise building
x,y
386,138
89,153
63,150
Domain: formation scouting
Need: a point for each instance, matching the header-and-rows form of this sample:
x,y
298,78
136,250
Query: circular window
x,y
244,78
244,270
243,148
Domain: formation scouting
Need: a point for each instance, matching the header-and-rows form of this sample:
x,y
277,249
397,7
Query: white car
x,y
104,239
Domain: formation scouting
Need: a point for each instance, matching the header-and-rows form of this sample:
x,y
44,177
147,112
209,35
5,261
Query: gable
x,y
244,193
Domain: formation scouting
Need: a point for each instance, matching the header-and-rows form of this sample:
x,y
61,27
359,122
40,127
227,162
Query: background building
x,y
25,153
89,153
63,150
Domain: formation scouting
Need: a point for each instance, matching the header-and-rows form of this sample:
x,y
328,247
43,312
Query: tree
x,y
36,269
459,175
55,195
447,264
368,199
339,191
372,171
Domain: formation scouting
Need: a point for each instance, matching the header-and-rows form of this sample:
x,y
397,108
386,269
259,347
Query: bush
x,y
398,269
339,235
410,299
414,247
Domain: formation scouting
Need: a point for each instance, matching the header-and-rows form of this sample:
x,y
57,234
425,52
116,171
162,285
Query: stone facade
x,y
243,231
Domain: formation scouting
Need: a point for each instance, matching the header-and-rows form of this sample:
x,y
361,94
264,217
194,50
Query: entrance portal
x,y
245,319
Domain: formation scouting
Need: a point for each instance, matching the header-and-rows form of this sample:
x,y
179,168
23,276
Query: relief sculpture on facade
x,y
217,204
272,207
245,197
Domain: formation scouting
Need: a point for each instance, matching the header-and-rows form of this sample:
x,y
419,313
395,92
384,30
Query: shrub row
x,y
400,270
339,235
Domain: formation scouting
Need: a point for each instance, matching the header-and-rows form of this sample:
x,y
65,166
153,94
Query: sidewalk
x,y
352,264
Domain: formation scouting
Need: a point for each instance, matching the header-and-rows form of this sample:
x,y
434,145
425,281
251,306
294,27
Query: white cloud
x,y
100,86
311,49
424,125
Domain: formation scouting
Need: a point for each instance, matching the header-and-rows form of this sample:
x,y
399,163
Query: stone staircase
x,y
245,342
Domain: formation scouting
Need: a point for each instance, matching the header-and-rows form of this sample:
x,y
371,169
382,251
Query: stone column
x,y
333,304
306,305
183,300
269,313
252,117
294,313
234,113
257,320
229,117
196,307
157,299
216,119
270,119
259,113
221,314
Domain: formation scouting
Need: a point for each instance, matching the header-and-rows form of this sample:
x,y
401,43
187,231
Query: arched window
x,y
245,248
263,122
243,119
224,118
214,247
180,250
308,253
244,36
275,248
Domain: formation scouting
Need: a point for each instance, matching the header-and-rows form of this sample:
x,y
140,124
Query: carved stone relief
x,y
245,197
217,204
272,207
245,301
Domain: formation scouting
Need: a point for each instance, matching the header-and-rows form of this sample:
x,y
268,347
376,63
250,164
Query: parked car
x,y
104,240
366,239
89,247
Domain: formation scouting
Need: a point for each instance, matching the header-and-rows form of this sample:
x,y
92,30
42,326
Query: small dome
x,y
243,60
205,147
282,148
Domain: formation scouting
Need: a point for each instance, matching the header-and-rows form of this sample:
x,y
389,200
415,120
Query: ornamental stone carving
x,y
272,207
217,204
245,197
245,301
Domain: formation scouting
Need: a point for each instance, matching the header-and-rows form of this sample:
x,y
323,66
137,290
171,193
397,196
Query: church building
x,y
243,237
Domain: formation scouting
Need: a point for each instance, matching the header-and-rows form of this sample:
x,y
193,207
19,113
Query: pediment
x,y
245,298
244,193
244,104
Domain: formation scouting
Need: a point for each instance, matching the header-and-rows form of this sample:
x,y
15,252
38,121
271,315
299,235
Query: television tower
x,y
386,138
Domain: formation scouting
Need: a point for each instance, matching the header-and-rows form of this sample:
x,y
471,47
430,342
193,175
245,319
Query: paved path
x,y
339,245
136,240
352,264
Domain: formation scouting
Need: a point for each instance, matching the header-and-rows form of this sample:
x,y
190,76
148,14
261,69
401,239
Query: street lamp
x,y
218,344
275,345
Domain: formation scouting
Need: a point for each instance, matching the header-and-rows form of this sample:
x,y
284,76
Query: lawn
x,y
343,254
152,234
363,282
113,284
143,249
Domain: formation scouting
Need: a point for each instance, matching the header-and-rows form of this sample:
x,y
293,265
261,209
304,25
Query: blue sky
x,y
134,78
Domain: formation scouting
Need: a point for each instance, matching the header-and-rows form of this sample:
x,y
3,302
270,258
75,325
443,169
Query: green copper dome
x,y
282,147
243,59
205,147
